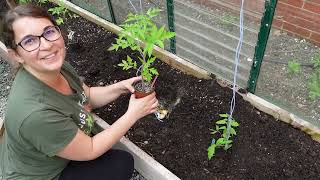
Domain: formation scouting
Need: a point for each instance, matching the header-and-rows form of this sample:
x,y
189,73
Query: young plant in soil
x,y
222,131
139,28
314,81
294,67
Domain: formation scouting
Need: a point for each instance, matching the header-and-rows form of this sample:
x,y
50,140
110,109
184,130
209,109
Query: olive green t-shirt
x,y
39,123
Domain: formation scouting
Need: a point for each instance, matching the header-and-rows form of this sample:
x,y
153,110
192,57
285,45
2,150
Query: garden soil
x,y
264,148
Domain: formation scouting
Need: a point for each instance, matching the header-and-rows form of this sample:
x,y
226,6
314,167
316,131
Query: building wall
x,y
297,17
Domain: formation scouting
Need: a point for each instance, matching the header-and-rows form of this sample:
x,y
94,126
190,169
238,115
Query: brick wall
x,y
297,17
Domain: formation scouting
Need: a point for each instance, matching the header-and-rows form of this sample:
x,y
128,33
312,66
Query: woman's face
x,y
48,57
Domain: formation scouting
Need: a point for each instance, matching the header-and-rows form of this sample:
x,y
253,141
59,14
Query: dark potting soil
x,y
264,148
143,86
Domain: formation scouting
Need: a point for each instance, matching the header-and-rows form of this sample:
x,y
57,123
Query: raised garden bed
x,y
263,148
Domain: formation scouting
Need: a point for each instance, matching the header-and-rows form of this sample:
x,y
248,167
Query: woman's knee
x,y
121,158
122,163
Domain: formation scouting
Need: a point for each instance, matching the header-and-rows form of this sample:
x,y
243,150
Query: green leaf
x,y
129,60
213,132
293,66
161,31
141,60
233,131
224,131
153,12
151,60
160,44
221,122
43,1
220,141
227,146
224,135
149,50
153,71
234,123
211,151
316,61
224,115
217,127
134,65
169,35
59,21
24,1
314,85
147,76
113,47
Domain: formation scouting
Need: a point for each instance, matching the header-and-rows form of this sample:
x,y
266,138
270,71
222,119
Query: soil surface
x,y
263,149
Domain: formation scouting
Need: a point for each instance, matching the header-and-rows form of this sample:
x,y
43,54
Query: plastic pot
x,y
142,89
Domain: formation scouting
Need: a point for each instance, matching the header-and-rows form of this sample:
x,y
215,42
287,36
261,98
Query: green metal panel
x,y
266,23
111,12
170,10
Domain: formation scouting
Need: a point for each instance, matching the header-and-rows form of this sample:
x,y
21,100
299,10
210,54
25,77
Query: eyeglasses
x,y
31,43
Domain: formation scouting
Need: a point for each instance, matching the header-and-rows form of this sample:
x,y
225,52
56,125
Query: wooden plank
x,y
143,163
3,51
1,129
4,54
283,115
277,112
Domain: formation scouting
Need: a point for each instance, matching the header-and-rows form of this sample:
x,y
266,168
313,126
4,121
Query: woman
x,y
47,121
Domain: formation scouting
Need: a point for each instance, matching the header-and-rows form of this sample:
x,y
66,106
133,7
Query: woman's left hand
x,y
126,85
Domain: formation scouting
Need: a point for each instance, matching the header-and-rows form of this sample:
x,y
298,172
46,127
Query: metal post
x,y
263,36
111,12
170,10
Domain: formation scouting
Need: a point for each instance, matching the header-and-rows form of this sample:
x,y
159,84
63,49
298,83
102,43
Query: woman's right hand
x,y
141,107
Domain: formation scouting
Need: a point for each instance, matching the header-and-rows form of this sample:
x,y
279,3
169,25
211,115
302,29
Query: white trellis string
x,y
236,60
138,70
133,6
135,9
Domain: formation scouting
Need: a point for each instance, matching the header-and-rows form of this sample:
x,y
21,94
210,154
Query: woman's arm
x,y
83,147
100,96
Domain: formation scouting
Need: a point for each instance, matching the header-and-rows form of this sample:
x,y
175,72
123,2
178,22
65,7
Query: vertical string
x,y
236,61
135,9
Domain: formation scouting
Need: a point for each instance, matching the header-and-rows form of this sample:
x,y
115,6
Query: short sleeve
x,y
72,73
48,131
